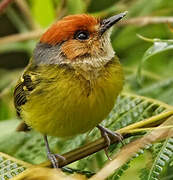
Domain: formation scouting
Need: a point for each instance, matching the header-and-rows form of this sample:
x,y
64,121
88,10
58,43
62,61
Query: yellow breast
x,y
66,104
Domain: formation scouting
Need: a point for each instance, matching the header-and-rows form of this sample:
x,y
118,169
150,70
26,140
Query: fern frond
x,y
163,157
10,167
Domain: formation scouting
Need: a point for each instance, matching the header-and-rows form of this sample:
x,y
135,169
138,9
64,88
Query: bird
x,y
72,80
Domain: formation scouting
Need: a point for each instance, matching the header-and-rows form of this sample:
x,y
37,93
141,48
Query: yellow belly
x,y
67,104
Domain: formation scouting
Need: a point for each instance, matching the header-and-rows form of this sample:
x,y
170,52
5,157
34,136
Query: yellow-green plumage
x,y
63,103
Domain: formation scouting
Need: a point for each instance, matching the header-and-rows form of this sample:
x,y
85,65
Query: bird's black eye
x,y
81,35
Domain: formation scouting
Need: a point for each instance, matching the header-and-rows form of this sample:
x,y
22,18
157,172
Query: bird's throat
x,y
91,68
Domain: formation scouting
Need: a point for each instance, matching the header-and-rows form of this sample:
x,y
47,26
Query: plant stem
x,y
146,122
148,129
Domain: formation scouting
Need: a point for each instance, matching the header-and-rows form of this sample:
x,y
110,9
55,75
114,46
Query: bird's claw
x,y
114,135
55,158
62,158
106,134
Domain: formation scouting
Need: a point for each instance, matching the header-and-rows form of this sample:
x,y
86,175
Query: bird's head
x,y
77,39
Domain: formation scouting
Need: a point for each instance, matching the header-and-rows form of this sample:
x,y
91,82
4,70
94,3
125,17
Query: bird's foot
x,y
55,158
106,134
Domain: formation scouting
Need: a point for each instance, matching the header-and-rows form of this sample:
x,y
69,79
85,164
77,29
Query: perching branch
x,y
4,4
143,21
100,144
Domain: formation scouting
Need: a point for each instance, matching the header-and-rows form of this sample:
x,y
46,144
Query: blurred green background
x,y
34,16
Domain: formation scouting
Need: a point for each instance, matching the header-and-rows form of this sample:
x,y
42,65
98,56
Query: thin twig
x,y
100,144
143,21
23,6
21,37
4,4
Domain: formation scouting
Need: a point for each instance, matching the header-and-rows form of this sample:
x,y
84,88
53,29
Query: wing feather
x,y
24,87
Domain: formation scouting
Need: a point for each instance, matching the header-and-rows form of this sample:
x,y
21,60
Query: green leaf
x,y
144,174
161,160
7,80
76,8
161,90
43,12
138,7
4,111
157,47
99,5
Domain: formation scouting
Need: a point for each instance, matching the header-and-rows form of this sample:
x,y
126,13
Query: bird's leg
x,y
105,133
52,157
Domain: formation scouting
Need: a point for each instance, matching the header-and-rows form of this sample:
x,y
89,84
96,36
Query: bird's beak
x,y
109,22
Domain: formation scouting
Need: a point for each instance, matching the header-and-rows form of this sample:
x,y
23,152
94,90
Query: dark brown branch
x,y
4,4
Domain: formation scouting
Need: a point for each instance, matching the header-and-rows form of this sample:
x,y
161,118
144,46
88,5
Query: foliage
x,y
148,63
